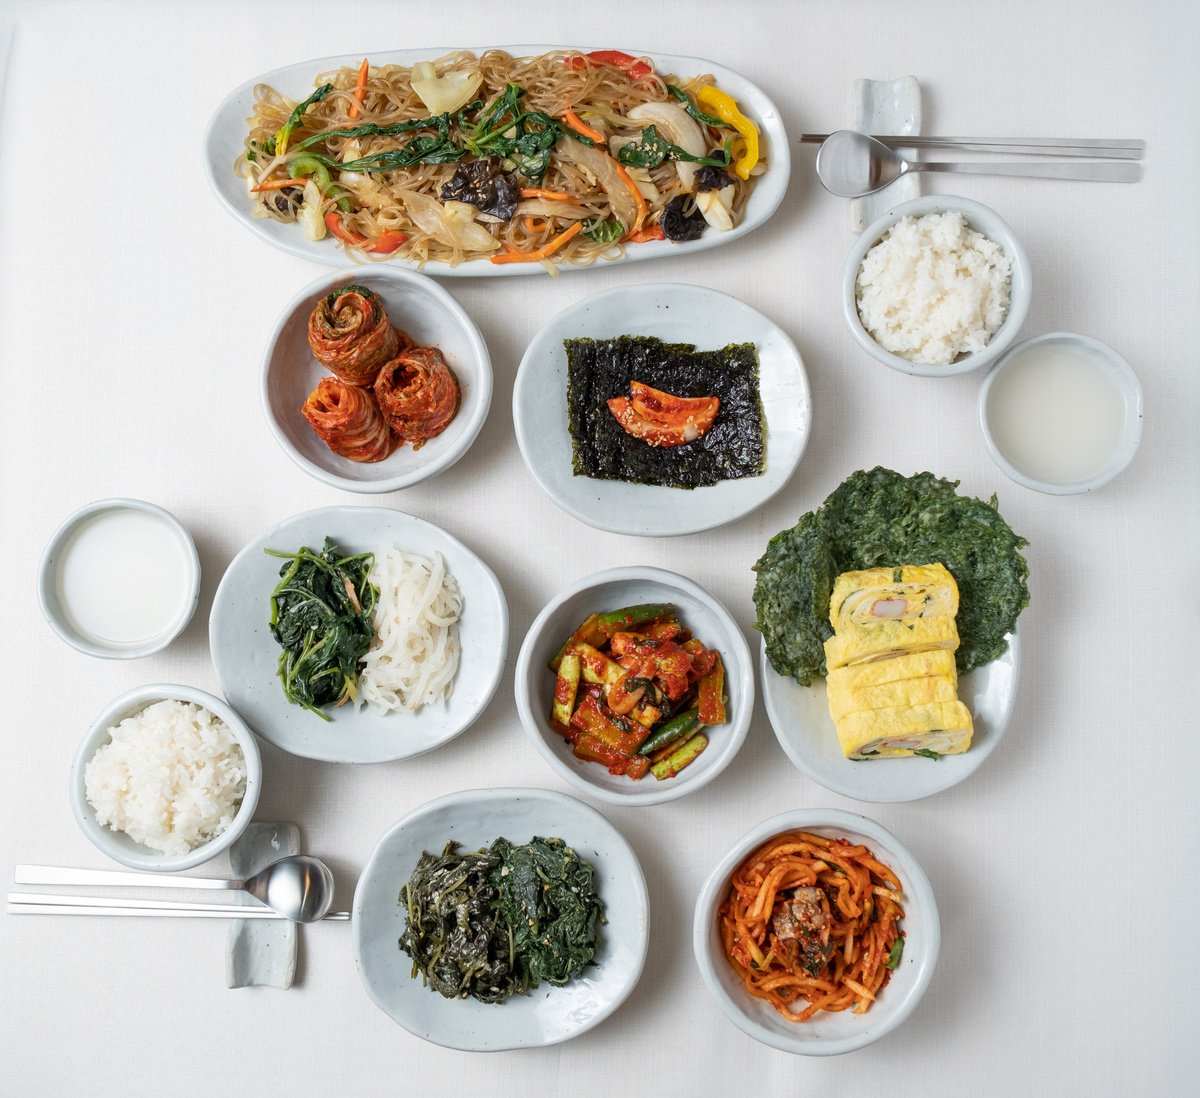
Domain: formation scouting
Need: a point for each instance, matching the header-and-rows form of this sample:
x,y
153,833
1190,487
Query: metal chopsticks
x,y
1098,148
37,903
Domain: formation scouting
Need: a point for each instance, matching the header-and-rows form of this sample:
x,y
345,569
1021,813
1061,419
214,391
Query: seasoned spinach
x,y
502,920
323,616
651,149
455,935
879,519
600,369
547,896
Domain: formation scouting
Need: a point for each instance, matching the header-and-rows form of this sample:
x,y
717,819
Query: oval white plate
x,y
828,1033
225,139
415,304
674,313
245,654
547,1015
800,717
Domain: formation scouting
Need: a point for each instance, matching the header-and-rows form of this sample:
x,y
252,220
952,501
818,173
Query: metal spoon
x,y
298,887
852,164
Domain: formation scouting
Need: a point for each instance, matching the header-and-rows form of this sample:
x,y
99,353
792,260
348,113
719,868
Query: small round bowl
x,y
826,1034
1118,371
700,612
983,220
417,305
119,846
55,613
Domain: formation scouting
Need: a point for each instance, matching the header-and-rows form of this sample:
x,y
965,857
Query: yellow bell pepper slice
x,y
724,106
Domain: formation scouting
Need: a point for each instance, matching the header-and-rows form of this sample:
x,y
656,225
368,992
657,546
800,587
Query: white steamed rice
x,y
933,289
171,777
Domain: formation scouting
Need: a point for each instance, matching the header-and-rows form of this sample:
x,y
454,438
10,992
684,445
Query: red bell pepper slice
x,y
634,68
382,245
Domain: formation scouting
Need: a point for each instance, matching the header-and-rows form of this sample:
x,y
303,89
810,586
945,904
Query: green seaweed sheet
x,y
882,518
600,369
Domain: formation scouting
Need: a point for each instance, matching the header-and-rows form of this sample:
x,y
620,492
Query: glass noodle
x,y
381,201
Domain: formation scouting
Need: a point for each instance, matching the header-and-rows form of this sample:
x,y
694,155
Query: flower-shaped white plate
x,y
547,1015
246,655
674,313
800,717
225,138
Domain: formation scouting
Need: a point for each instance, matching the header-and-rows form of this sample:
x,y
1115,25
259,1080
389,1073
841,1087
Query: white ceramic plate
x,y
245,654
826,1034
416,305
800,717
674,313
547,1015
225,139
700,612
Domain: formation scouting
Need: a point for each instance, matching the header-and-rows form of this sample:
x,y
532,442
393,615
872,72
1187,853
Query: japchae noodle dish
x,y
565,157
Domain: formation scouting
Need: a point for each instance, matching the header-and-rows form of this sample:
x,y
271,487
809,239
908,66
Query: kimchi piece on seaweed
x,y
604,370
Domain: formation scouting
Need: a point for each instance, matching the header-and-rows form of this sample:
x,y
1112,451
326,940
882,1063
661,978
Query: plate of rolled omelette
x,y
893,720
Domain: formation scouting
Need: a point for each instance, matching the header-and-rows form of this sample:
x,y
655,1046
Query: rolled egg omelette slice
x,y
943,728
919,678
907,593
892,683
883,640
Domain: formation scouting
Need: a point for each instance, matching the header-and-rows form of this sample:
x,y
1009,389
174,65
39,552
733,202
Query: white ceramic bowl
x,y
547,1015
978,217
430,315
826,1034
1115,368
700,612
49,592
119,846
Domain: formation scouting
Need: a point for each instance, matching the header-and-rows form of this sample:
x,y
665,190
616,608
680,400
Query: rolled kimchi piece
x,y
349,421
350,334
418,395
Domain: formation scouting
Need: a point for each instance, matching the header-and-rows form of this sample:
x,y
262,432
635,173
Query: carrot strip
x,y
552,196
360,88
277,185
545,250
534,224
581,127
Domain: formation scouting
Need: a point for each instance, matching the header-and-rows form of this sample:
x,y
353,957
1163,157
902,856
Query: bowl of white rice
x,y
936,287
166,778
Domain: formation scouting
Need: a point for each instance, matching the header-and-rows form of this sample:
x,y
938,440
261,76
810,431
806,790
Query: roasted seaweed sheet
x,y
600,369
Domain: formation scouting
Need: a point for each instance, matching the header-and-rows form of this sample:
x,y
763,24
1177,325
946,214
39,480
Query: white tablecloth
x,y
134,313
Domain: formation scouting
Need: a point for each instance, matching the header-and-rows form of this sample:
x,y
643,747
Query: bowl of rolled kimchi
x,y
375,380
